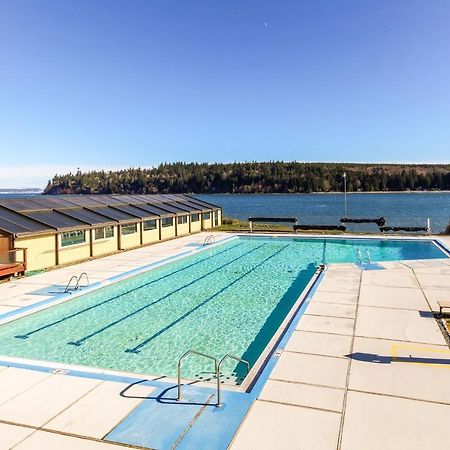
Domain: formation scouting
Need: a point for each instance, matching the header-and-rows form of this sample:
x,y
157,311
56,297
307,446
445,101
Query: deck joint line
x,y
347,381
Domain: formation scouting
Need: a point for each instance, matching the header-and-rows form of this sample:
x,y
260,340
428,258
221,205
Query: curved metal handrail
x,y
67,289
79,279
359,258
236,358
216,370
367,254
209,240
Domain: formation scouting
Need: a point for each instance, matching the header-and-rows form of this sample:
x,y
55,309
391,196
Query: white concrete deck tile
x,y
397,324
434,281
393,297
337,325
24,300
433,262
7,309
435,295
415,264
303,395
11,435
328,285
96,413
344,268
319,343
42,440
331,309
338,277
343,298
42,402
388,278
441,270
393,265
274,426
374,422
14,381
311,369
422,373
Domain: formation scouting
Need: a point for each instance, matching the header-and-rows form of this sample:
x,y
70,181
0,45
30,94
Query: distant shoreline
x,y
35,192
320,193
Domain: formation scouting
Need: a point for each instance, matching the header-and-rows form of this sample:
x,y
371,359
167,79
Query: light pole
x,y
345,195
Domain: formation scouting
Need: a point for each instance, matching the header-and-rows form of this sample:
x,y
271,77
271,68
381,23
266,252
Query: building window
x,y
73,238
149,225
206,216
216,218
104,233
182,219
167,222
129,228
195,217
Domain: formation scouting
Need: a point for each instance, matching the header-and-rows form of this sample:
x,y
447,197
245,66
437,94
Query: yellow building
x,y
63,229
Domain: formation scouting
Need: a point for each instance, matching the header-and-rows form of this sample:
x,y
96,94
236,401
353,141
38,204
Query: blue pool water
x,y
231,298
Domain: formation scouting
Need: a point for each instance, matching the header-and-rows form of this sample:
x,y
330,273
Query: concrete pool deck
x,y
365,368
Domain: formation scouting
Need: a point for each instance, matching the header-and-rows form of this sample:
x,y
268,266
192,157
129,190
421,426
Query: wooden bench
x,y
443,305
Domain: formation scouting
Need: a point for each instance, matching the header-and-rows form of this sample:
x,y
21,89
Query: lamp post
x,y
345,195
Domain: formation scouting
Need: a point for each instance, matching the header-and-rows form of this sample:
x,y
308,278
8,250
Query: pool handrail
x,y
216,370
209,240
77,284
236,358
359,258
79,279
73,277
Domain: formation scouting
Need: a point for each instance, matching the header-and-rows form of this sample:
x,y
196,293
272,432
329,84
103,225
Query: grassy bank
x,y
229,224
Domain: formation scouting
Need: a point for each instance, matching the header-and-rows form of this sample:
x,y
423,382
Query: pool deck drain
x,y
366,368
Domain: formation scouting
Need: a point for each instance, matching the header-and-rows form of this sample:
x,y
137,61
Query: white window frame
x,y
74,233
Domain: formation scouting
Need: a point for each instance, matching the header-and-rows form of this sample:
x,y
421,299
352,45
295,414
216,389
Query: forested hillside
x,y
254,177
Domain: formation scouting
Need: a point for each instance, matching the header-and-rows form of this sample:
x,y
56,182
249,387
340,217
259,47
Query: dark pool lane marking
x,y
138,347
90,308
111,324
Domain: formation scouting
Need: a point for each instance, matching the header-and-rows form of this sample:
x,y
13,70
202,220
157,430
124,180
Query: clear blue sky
x,y
111,84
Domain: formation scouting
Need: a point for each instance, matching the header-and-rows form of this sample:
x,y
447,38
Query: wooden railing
x,y
13,261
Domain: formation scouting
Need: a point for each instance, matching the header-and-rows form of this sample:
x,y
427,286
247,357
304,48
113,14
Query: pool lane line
x,y
111,324
137,348
26,335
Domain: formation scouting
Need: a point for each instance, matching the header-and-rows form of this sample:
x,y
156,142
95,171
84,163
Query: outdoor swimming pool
x,y
230,298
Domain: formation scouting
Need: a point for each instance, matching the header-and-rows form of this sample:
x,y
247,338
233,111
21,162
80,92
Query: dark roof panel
x,y
55,219
87,216
197,201
52,203
83,200
155,210
134,211
25,224
21,204
171,208
185,204
112,200
12,228
114,214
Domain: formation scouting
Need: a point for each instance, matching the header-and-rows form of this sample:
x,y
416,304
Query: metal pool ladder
x,y
209,240
217,365
360,258
77,282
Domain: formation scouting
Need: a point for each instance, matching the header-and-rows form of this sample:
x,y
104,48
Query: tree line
x,y
253,177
